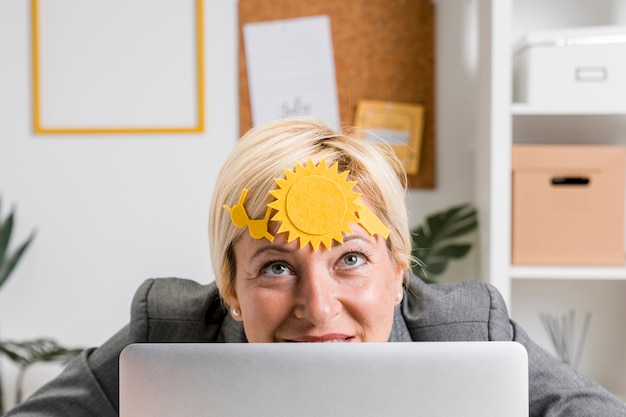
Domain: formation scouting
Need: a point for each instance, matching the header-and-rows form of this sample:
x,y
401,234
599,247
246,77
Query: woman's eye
x,y
275,268
352,260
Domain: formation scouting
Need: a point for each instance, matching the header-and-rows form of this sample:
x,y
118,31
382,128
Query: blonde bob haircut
x,y
263,154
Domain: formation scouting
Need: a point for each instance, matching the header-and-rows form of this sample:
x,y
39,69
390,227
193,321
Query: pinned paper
x,y
291,70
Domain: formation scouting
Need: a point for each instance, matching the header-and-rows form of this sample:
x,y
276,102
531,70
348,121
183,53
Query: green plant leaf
x,y
453,251
436,267
29,352
6,228
8,260
7,349
454,222
8,264
434,242
420,240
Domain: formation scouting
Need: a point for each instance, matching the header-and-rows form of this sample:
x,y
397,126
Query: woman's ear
x,y
398,284
234,308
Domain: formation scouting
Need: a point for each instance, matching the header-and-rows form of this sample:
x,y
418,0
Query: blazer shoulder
x,y
168,309
469,310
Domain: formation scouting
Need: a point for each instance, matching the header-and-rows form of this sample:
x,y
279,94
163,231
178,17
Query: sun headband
x,y
315,204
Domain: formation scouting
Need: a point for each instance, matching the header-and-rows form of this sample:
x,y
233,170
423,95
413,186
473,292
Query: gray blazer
x,y
171,309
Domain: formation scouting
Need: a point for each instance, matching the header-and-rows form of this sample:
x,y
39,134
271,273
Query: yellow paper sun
x,y
315,204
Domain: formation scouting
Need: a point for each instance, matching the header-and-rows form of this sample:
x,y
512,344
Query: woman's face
x,y
343,294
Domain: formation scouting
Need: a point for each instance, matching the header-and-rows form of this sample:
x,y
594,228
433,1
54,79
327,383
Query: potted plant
x,y
23,353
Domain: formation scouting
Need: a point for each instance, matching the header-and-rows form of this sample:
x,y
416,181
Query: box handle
x,y
569,181
591,74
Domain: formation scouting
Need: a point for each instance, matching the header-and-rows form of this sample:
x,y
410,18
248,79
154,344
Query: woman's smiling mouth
x,y
326,338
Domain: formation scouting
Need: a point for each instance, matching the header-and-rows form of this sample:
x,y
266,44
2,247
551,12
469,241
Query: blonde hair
x,y
263,153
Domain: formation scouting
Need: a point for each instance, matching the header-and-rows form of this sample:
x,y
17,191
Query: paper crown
x,y
313,203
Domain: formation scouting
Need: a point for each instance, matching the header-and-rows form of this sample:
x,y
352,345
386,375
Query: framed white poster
x,y
117,66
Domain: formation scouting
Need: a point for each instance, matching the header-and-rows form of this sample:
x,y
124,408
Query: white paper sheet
x,y
291,70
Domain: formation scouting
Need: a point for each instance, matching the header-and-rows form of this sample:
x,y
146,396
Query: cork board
x,y
383,50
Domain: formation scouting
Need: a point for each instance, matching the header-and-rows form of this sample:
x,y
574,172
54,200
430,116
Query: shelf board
x,y
523,109
569,272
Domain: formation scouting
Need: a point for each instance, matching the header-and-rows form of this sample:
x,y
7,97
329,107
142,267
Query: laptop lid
x,y
481,379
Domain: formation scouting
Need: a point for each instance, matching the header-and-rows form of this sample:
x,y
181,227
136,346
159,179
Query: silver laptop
x,y
480,379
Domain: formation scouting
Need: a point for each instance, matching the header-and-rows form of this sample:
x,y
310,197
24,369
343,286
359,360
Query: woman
x,y
310,243
352,298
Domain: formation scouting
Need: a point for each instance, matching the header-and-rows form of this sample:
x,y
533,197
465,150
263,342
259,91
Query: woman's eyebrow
x,y
284,249
275,248
357,237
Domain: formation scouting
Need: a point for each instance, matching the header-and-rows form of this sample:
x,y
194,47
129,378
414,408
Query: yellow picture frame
x,y
39,128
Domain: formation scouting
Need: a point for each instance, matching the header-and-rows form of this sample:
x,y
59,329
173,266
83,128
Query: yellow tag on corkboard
x,y
399,124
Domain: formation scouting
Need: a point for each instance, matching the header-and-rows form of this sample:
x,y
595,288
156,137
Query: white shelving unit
x,y
568,272
556,290
522,109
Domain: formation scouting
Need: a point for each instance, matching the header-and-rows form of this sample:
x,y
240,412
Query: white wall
x,y
113,210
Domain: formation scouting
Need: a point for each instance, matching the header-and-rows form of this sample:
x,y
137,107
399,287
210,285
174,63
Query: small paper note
x,y
291,70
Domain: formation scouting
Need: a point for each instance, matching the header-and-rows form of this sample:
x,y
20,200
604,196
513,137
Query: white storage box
x,y
583,67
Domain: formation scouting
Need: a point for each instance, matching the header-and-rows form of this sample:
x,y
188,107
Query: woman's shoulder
x,y
176,309
468,310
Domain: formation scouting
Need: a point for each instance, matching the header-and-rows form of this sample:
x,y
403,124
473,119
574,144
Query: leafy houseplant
x,y
24,353
435,242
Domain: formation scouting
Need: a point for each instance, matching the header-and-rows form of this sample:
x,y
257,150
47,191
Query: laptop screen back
x,y
431,379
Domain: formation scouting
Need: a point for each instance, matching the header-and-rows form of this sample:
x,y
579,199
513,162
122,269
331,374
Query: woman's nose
x,y
317,300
